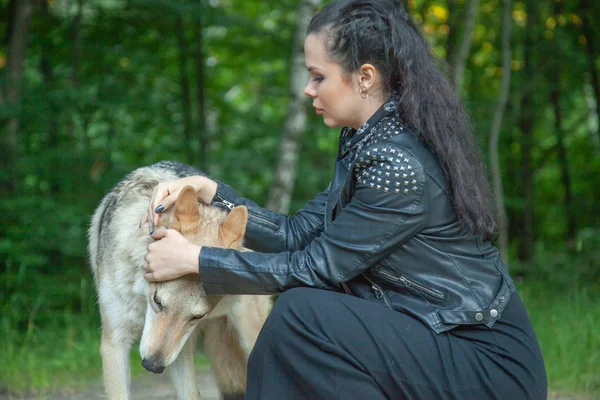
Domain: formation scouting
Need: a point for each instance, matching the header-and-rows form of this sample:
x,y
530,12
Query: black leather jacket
x,y
384,230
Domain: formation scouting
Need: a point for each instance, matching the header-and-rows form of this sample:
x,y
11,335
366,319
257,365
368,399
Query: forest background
x,y
92,89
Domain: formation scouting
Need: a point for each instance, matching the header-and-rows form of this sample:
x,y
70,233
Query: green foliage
x,y
89,114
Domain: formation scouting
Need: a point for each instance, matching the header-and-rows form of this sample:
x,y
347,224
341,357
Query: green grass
x,y
51,332
566,319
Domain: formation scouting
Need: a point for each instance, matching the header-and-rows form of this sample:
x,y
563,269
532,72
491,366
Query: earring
x,y
363,95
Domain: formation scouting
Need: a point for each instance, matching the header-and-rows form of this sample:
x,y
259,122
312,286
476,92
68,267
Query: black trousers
x,y
318,344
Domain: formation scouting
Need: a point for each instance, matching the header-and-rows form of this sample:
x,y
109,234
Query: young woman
x,y
390,286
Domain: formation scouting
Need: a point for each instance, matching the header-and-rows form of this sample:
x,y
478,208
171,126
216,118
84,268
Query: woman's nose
x,y
310,91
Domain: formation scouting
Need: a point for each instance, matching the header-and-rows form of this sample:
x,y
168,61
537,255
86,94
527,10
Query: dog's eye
x,y
157,301
197,317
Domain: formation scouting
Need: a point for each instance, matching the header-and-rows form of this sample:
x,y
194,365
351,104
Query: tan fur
x,y
127,302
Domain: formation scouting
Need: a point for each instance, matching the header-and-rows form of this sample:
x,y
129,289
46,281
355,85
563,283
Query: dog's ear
x,y
186,208
234,227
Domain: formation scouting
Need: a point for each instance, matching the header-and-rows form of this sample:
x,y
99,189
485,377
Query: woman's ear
x,y
366,77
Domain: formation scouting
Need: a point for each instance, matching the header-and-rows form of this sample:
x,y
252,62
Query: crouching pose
x,y
391,288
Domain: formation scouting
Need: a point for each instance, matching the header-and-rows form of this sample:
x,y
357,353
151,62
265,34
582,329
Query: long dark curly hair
x,y
382,33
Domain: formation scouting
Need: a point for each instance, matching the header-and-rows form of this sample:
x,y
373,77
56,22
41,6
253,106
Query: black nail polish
x,y
151,232
160,208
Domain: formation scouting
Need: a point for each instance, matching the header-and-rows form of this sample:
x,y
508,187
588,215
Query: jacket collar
x,y
351,138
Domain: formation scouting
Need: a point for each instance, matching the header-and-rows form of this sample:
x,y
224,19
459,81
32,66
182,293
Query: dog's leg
x,y
228,359
182,371
115,365
247,316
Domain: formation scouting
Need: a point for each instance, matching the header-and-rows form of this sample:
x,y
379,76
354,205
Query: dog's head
x,y
175,308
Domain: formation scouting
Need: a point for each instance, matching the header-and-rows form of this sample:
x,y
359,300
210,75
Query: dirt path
x,y
154,387
144,387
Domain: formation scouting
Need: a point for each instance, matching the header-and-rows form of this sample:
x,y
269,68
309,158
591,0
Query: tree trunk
x,y
590,40
200,97
555,97
458,59
11,94
564,163
185,89
280,192
495,131
77,38
452,29
47,72
526,119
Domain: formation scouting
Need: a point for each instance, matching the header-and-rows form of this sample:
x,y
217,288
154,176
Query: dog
x,y
169,316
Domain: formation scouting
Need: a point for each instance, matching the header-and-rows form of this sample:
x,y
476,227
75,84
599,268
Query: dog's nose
x,y
152,366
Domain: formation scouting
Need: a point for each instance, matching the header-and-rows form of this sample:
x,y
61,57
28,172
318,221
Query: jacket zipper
x,y
225,202
378,291
229,205
409,283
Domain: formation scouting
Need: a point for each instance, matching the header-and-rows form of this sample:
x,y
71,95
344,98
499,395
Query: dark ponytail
x,y
382,33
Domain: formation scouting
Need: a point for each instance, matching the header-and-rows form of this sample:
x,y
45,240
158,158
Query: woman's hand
x,y
170,257
166,193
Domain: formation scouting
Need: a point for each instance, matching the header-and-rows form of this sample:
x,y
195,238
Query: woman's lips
x,y
319,110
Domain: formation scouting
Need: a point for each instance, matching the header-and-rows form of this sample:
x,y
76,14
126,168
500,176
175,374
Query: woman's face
x,y
335,95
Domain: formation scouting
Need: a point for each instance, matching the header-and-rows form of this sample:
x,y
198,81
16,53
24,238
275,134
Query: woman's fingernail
x,y
151,232
160,208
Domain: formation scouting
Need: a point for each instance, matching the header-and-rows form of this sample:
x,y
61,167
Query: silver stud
x,y
396,190
395,168
493,313
405,183
386,189
397,184
404,175
387,182
415,188
372,184
412,174
378,187
405,191
409,167
387,174
406,160
478,317
402,168
396,175
393,151
378,179
414,181
400,155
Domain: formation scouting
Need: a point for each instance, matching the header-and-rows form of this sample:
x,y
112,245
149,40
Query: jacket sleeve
x,y
388,208
272,232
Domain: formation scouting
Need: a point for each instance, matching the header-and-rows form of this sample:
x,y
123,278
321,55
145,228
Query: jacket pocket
x,y
392,276
379,293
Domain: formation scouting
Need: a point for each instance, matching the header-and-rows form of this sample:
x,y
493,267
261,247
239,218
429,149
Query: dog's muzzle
x,y
152,366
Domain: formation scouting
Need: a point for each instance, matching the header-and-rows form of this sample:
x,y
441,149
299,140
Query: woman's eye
x,y
157,301
197,317
318,79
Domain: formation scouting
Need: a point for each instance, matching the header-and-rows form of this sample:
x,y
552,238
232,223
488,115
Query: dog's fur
x,y
167,314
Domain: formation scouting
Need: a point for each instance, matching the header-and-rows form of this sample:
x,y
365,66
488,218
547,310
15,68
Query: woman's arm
x,y
272,232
